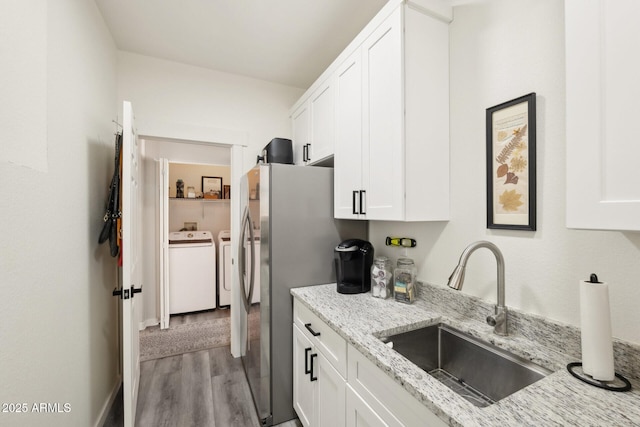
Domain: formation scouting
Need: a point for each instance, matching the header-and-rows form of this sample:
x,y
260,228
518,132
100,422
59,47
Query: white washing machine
x,y
225,266
192,271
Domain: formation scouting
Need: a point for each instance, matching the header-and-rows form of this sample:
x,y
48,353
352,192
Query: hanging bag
x,y
111,216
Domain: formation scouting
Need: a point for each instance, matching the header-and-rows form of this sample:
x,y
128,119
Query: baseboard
x,y
104,412
148,322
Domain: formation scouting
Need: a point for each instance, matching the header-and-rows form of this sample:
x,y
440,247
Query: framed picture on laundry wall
x,y
212,187
511,164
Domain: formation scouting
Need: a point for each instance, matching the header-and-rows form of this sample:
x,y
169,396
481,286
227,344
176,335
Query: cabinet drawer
x,y
385,395
332,345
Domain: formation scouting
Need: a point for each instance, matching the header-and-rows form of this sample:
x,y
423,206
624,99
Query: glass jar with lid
x,y
404,281
381,278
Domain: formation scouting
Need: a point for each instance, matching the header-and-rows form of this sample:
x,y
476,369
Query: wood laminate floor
x,y
203,388
206,388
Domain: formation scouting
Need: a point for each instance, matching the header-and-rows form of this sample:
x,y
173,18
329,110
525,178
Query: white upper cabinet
x,y
383,166
322,123
301,122
392,129
602,105
348,131
313,126
382,110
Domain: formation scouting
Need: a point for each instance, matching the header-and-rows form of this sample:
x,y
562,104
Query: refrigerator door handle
x,y
242,260
252,265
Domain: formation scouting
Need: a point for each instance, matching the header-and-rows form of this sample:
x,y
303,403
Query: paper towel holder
x,y
625,386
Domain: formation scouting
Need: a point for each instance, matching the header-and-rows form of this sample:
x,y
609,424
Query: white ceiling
x,y
284,41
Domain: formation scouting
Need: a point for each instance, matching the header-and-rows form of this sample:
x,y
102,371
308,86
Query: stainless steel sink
x,y
480,372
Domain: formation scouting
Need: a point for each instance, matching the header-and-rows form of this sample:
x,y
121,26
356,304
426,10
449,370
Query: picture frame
x,y
226,191
212,187
511,164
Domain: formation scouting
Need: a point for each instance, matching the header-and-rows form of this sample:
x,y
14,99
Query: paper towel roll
x,y
595,322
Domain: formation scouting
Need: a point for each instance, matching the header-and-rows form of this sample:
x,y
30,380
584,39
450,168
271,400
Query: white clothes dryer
x,y
224,269
192,271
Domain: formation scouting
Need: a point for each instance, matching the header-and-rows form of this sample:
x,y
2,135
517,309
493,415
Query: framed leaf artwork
x,y
511,164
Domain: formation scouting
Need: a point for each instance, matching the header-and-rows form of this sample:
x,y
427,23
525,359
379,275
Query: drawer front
x,y
327,341
387,396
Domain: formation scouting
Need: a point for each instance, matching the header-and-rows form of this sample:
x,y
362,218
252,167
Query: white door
x,y
130,265
163,232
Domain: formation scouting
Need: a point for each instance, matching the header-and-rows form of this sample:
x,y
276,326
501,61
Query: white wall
x,y
58,320
502,49
178,100
178,94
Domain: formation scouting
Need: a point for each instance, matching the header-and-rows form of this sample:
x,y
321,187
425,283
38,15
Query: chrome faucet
x,y
499,319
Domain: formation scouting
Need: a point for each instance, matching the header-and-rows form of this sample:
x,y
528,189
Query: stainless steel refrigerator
x,y
289,209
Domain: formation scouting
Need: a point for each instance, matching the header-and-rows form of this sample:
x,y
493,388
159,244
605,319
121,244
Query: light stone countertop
x,y
557,400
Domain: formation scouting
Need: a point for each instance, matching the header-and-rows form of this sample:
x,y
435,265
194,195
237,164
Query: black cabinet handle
x,y
308,155
314,333
362,195
313,356
306,358
353,202
304,153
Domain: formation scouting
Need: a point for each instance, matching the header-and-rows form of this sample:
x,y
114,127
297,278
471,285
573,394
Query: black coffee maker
x,y
353,266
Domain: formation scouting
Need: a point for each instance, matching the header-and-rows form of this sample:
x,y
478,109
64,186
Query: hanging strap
x,y
113,213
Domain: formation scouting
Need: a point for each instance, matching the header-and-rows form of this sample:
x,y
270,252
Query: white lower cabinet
x,y
336,385
318,389
331,401
359,413
394,405
303,388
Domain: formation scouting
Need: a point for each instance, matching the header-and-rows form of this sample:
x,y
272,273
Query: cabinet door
x,y
359,414
322,122
330,409
348,149
301,133
602,92
383,159
304,391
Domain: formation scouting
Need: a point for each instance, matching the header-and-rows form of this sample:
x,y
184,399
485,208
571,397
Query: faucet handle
x,y
499,321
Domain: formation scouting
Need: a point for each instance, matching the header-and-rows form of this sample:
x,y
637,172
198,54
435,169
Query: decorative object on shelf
x,y
179,189
212,187
511,164
191,192
226,191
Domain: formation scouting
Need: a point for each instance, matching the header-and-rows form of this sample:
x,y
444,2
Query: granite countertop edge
x,y
361,320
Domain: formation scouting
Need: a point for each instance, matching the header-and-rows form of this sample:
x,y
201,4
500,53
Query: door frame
x,y
237,141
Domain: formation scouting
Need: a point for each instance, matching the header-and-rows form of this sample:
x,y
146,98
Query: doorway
x,y
192,160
